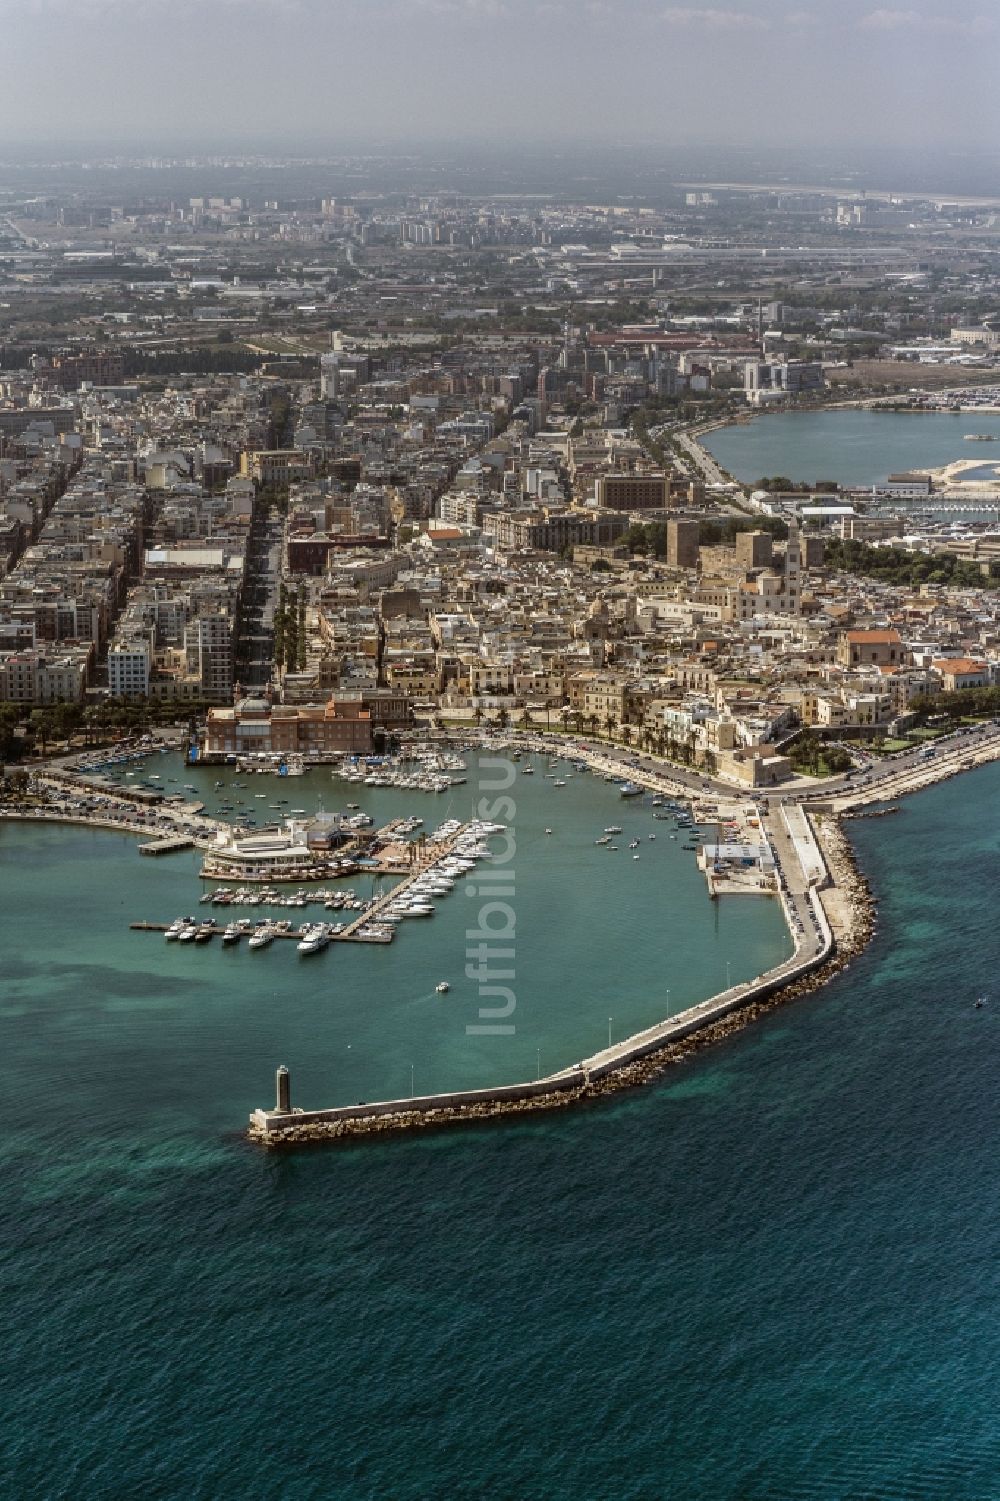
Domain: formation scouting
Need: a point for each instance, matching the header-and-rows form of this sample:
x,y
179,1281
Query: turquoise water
x,y
853,448
597,935
772,1277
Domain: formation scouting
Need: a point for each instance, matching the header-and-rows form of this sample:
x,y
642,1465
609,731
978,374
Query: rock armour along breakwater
x,y
851,926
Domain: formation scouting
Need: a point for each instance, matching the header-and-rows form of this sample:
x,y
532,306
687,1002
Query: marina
x,y
452,852
381,996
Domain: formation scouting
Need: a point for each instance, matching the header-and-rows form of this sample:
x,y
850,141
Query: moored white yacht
x,y
314,937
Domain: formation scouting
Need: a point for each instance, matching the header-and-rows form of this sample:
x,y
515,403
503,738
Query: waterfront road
x,y
701,458
795,884
885,778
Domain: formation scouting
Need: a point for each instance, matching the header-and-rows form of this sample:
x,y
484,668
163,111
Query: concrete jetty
x,y
440,852
167,846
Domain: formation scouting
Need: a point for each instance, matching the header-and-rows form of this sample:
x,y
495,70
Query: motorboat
x,y
314,938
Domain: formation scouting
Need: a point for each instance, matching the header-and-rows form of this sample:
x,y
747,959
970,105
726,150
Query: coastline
x,y
841,905
842,900
839,898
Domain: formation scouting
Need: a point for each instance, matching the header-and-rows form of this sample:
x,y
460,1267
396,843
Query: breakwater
x,y
637,1060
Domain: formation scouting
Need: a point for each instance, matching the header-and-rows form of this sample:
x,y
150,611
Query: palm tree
x,y
593,721
611,724
41,722
627,735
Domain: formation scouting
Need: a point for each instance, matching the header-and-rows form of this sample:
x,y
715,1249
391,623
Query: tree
x,y
9,719
41,723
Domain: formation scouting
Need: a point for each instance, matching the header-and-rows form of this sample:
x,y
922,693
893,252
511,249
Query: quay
x,y
167,846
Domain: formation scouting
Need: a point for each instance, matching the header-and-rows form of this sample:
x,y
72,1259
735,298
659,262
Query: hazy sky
x,y
741,71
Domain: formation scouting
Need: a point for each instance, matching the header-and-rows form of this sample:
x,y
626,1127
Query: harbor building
x,y
299,851
323,731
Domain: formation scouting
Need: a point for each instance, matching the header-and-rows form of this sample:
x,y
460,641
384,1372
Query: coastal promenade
x,y
699,456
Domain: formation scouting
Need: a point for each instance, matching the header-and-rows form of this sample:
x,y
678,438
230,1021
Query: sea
x,y
771,1276
852,447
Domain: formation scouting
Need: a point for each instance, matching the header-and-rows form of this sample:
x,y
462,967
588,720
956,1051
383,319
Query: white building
x,y
129,664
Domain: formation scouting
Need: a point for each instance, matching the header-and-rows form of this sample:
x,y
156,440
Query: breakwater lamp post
x,y
610,1020
411,1081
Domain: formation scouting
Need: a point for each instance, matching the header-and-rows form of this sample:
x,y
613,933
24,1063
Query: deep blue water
x,y
773,1275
